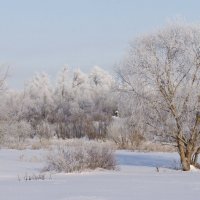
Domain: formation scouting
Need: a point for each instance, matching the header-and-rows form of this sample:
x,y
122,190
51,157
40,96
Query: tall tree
x,y
38,98
162,73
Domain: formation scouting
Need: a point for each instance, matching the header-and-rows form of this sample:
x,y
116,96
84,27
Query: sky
x,y
46,35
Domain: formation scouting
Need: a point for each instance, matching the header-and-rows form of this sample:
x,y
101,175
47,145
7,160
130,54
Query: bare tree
x,y
3,77
162,73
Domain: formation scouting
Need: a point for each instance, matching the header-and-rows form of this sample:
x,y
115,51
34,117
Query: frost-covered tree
x,y
100,78
83,103
63,84
38,99
63,98
103,98
101,83
3,91
82,90
161,74
11,105
79,78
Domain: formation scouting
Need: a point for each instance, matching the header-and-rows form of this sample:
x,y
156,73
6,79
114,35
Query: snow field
x,y
136,178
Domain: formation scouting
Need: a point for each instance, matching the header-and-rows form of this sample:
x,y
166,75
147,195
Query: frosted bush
x,y
118,132
16,130
123,135
14,134
45,130
78,155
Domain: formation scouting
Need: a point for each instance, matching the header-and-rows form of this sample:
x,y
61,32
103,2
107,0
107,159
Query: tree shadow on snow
x,y
149,160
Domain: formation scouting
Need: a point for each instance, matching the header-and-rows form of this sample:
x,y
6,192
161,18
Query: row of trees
x,y
75,105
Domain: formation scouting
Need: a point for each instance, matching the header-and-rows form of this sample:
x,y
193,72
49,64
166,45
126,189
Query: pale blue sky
x,y
44,35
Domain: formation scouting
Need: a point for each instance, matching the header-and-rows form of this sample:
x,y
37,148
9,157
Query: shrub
x,y
78,155
45,130
41,143
124,136
13,134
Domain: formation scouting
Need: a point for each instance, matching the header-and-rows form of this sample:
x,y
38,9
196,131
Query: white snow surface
x,y
136,178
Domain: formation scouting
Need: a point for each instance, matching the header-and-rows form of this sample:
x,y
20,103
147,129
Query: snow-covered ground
x,y
136,179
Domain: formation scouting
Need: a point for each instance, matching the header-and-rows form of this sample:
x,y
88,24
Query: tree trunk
x,y
195,158
185,161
